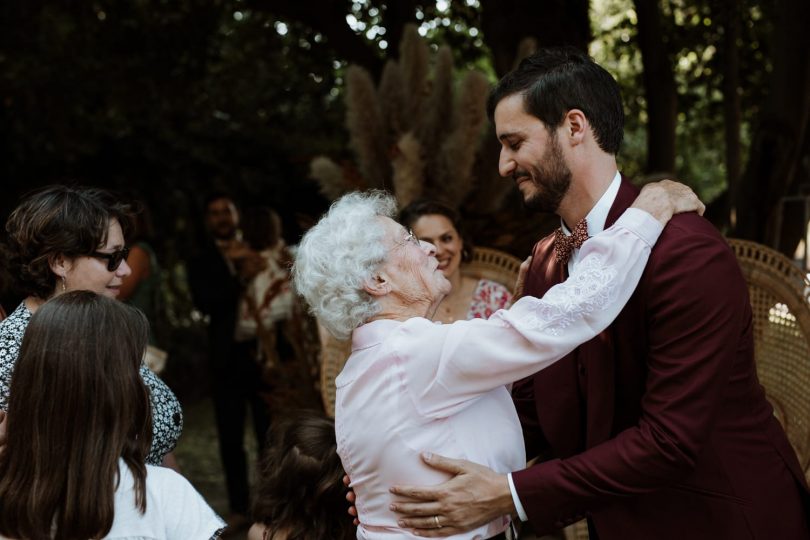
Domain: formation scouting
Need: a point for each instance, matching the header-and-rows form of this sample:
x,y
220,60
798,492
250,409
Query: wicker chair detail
x,y
334,353
780,301
494,265
486,263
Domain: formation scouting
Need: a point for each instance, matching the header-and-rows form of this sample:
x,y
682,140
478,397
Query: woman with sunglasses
x,y
64,239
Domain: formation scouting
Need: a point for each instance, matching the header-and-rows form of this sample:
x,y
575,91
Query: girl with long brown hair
x,y
79,427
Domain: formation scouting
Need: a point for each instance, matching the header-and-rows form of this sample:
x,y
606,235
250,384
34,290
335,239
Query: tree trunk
x,y
730,20
659,89
505,23
779,142
328,18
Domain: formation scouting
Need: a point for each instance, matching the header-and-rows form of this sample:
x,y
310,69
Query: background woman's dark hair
x,y
59,220
301,493
77,405
261,227
409,215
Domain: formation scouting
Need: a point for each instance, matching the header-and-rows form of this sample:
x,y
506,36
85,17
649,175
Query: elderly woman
x,y
412,385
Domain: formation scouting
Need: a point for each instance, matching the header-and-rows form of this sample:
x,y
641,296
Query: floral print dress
x,y
488,298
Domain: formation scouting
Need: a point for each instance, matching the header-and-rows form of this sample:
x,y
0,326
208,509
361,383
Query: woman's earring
x,y
64,284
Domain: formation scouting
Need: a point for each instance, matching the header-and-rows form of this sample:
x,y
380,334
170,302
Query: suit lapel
x,y
556,387
597,355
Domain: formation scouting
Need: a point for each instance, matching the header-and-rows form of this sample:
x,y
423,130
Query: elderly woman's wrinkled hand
x,y
665,198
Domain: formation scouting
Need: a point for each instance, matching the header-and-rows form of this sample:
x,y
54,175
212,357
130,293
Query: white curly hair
x,y
338,255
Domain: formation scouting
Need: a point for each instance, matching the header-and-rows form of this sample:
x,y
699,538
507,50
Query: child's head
x,y
77,406
301,494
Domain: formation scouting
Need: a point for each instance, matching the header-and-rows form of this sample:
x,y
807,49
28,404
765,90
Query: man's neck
x,y
588,185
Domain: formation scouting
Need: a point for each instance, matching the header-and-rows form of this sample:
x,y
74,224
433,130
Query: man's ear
x,y
576,125
377,285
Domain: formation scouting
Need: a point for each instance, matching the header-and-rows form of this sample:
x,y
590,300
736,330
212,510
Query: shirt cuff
x,y
641,223
519,507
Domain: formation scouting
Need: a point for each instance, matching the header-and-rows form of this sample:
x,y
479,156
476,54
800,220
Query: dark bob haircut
x,y
59,220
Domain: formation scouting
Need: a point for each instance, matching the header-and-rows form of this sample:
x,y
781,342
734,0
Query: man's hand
x,y
474,496
350,497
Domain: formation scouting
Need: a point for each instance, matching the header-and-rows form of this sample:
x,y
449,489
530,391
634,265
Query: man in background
x,y
217,277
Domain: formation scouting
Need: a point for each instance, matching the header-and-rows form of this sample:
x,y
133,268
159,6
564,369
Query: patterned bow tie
x,y
565,245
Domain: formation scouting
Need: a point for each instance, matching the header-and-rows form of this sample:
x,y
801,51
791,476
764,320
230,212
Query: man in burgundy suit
x,y
658,428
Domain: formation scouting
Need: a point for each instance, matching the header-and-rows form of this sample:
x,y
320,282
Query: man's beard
x,y
223,232
551,180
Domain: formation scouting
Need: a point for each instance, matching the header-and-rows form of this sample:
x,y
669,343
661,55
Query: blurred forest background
x,y
167,100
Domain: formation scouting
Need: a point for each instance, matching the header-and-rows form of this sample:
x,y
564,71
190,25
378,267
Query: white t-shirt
x,y
174,509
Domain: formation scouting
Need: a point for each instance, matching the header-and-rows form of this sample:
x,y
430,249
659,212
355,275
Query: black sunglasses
x,y
114,259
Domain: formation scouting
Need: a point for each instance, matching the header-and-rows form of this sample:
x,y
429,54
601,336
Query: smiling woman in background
x,y
469,298
63,239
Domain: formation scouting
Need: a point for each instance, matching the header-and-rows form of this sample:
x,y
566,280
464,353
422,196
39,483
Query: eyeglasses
x,y
411,238
113,259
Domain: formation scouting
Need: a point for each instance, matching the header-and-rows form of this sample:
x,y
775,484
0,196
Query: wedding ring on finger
x,y
436,520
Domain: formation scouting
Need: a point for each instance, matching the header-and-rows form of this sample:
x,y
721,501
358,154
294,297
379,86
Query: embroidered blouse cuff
x,y
519,507
641,224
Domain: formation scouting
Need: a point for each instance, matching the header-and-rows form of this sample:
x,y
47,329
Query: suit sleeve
x,y
696,313
212,287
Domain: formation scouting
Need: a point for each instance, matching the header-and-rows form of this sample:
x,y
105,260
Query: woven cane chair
x,y
780,299
486,264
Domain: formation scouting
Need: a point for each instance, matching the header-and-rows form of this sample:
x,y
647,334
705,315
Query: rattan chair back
x,y
486,264
780,300
495,265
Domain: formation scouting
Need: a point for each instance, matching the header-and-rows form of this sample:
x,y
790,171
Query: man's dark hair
x,y
555,80
215,196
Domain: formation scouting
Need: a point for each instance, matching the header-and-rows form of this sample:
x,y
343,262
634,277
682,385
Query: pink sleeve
x,y
447,366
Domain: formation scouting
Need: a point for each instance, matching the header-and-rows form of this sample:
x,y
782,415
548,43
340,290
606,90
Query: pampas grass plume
x,y
408,168
454,174
329,176
364,121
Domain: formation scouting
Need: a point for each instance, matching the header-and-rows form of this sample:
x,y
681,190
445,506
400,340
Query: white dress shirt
x,y
595,219
417,386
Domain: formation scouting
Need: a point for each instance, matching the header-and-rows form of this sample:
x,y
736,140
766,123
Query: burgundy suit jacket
x,y
659,428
